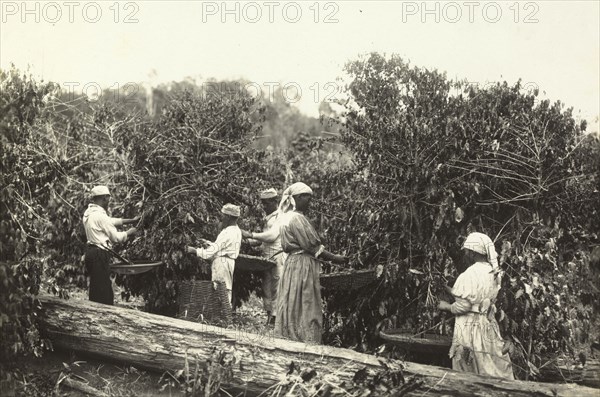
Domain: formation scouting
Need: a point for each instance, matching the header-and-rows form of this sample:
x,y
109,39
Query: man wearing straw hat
x,y
224,251
271,247
101,232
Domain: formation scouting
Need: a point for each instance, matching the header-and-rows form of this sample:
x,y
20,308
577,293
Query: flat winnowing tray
x,y
137,267
425,343
251,263
348,280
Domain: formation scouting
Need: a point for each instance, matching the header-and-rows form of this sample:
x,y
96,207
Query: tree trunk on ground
x,y
160,343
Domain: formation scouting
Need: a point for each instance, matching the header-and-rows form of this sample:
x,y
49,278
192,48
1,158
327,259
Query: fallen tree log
x,y
160,343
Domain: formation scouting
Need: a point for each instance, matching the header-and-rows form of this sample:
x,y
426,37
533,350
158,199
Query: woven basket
x,y
348,280
251,263
200,302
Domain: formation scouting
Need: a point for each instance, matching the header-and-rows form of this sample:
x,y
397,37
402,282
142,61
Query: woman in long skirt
x,y
299,307
476,343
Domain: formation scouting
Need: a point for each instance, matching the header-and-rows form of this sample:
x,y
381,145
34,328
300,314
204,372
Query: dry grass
x,y
49,375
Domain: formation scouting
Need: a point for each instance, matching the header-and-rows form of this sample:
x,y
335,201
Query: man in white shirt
x,y
225,250
101,232
271,247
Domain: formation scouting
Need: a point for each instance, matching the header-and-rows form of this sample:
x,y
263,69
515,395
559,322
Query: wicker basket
x,y
200,302
348,280
251,263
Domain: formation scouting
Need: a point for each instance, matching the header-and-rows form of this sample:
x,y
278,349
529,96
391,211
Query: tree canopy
x,y
417,162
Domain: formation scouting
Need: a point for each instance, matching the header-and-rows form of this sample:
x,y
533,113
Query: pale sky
x,y
553,45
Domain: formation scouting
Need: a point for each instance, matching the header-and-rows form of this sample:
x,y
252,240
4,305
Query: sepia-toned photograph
x,y
299,198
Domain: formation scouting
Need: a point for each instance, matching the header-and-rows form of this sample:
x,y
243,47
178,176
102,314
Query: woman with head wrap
x,y
299,308
476,344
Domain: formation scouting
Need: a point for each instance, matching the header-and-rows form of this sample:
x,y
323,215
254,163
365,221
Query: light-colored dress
x,y
299,307
223,253
476,343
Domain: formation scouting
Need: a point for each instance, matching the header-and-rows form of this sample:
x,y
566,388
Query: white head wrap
x,y
482,244
287,198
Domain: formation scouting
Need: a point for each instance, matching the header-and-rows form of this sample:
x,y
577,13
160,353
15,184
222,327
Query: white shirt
x,y
271,248
100,228
228,245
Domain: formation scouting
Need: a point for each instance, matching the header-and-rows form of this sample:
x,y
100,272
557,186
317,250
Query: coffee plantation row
x,y
416,162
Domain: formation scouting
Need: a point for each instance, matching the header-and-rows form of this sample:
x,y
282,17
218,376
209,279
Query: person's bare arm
x,y
268,236
251,242
443,305
129,221
461,306
207,251
339,259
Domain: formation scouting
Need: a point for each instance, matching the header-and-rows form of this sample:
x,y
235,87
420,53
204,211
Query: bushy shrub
x,y
24,184
434,160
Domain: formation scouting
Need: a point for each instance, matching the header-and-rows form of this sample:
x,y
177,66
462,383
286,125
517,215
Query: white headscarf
x,y
287,198
482,244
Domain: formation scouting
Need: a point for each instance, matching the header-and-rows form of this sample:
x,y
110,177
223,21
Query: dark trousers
x,y
97,263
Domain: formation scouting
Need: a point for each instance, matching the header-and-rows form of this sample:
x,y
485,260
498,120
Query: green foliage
x,y
181,169
432,164
420,162
24,183
176,170
18,308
